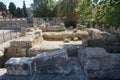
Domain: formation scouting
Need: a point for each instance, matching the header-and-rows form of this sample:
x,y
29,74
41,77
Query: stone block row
x,y
54,62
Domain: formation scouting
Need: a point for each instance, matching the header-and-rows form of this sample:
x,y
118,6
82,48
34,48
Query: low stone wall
x,y
55,62
99,38
18,47
62,35
14,24
46,27
98,64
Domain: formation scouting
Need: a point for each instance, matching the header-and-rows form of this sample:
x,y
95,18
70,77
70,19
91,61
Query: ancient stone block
x,y
19,66
55,62
97,63
15,52
96,52
23,31
42,27
63,35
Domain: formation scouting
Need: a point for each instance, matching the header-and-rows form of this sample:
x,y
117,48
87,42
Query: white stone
x,y
1,53
19,66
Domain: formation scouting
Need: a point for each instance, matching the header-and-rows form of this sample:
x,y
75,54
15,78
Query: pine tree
x,y
24,9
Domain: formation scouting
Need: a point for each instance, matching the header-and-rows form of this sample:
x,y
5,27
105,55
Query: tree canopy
x,y
12,9
43,8
19,13
24,9
84,9
105,11
3,7
66,8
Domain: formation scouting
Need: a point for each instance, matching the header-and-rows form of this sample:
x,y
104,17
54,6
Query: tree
x,y
24,9
43,8
3,8
12,9
85,9
108,12
19,13
66,8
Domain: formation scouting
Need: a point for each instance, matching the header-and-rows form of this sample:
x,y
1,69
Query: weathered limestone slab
x,y
63,35
15,52
19,66
55,62
98,64
45,46
29,40
56,28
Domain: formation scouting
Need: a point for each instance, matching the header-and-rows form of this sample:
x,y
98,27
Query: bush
x,y
69,23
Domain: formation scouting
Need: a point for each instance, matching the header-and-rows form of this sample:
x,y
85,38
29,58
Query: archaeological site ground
x,y
47,50
59,39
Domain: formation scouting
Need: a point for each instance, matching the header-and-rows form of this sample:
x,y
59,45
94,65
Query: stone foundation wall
x,y
13,24
46,27
102,39
54,62
18,47
98,64
63,35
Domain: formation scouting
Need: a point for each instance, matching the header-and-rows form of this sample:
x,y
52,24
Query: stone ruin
x,y
45,55
18,47
55,62
46,27
99,64
100,56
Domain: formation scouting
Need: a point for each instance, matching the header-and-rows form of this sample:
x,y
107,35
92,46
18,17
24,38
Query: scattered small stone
x,y
75,39
66,40
75,30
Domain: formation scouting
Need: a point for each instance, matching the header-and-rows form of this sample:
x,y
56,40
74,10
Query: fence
x,y
8,35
